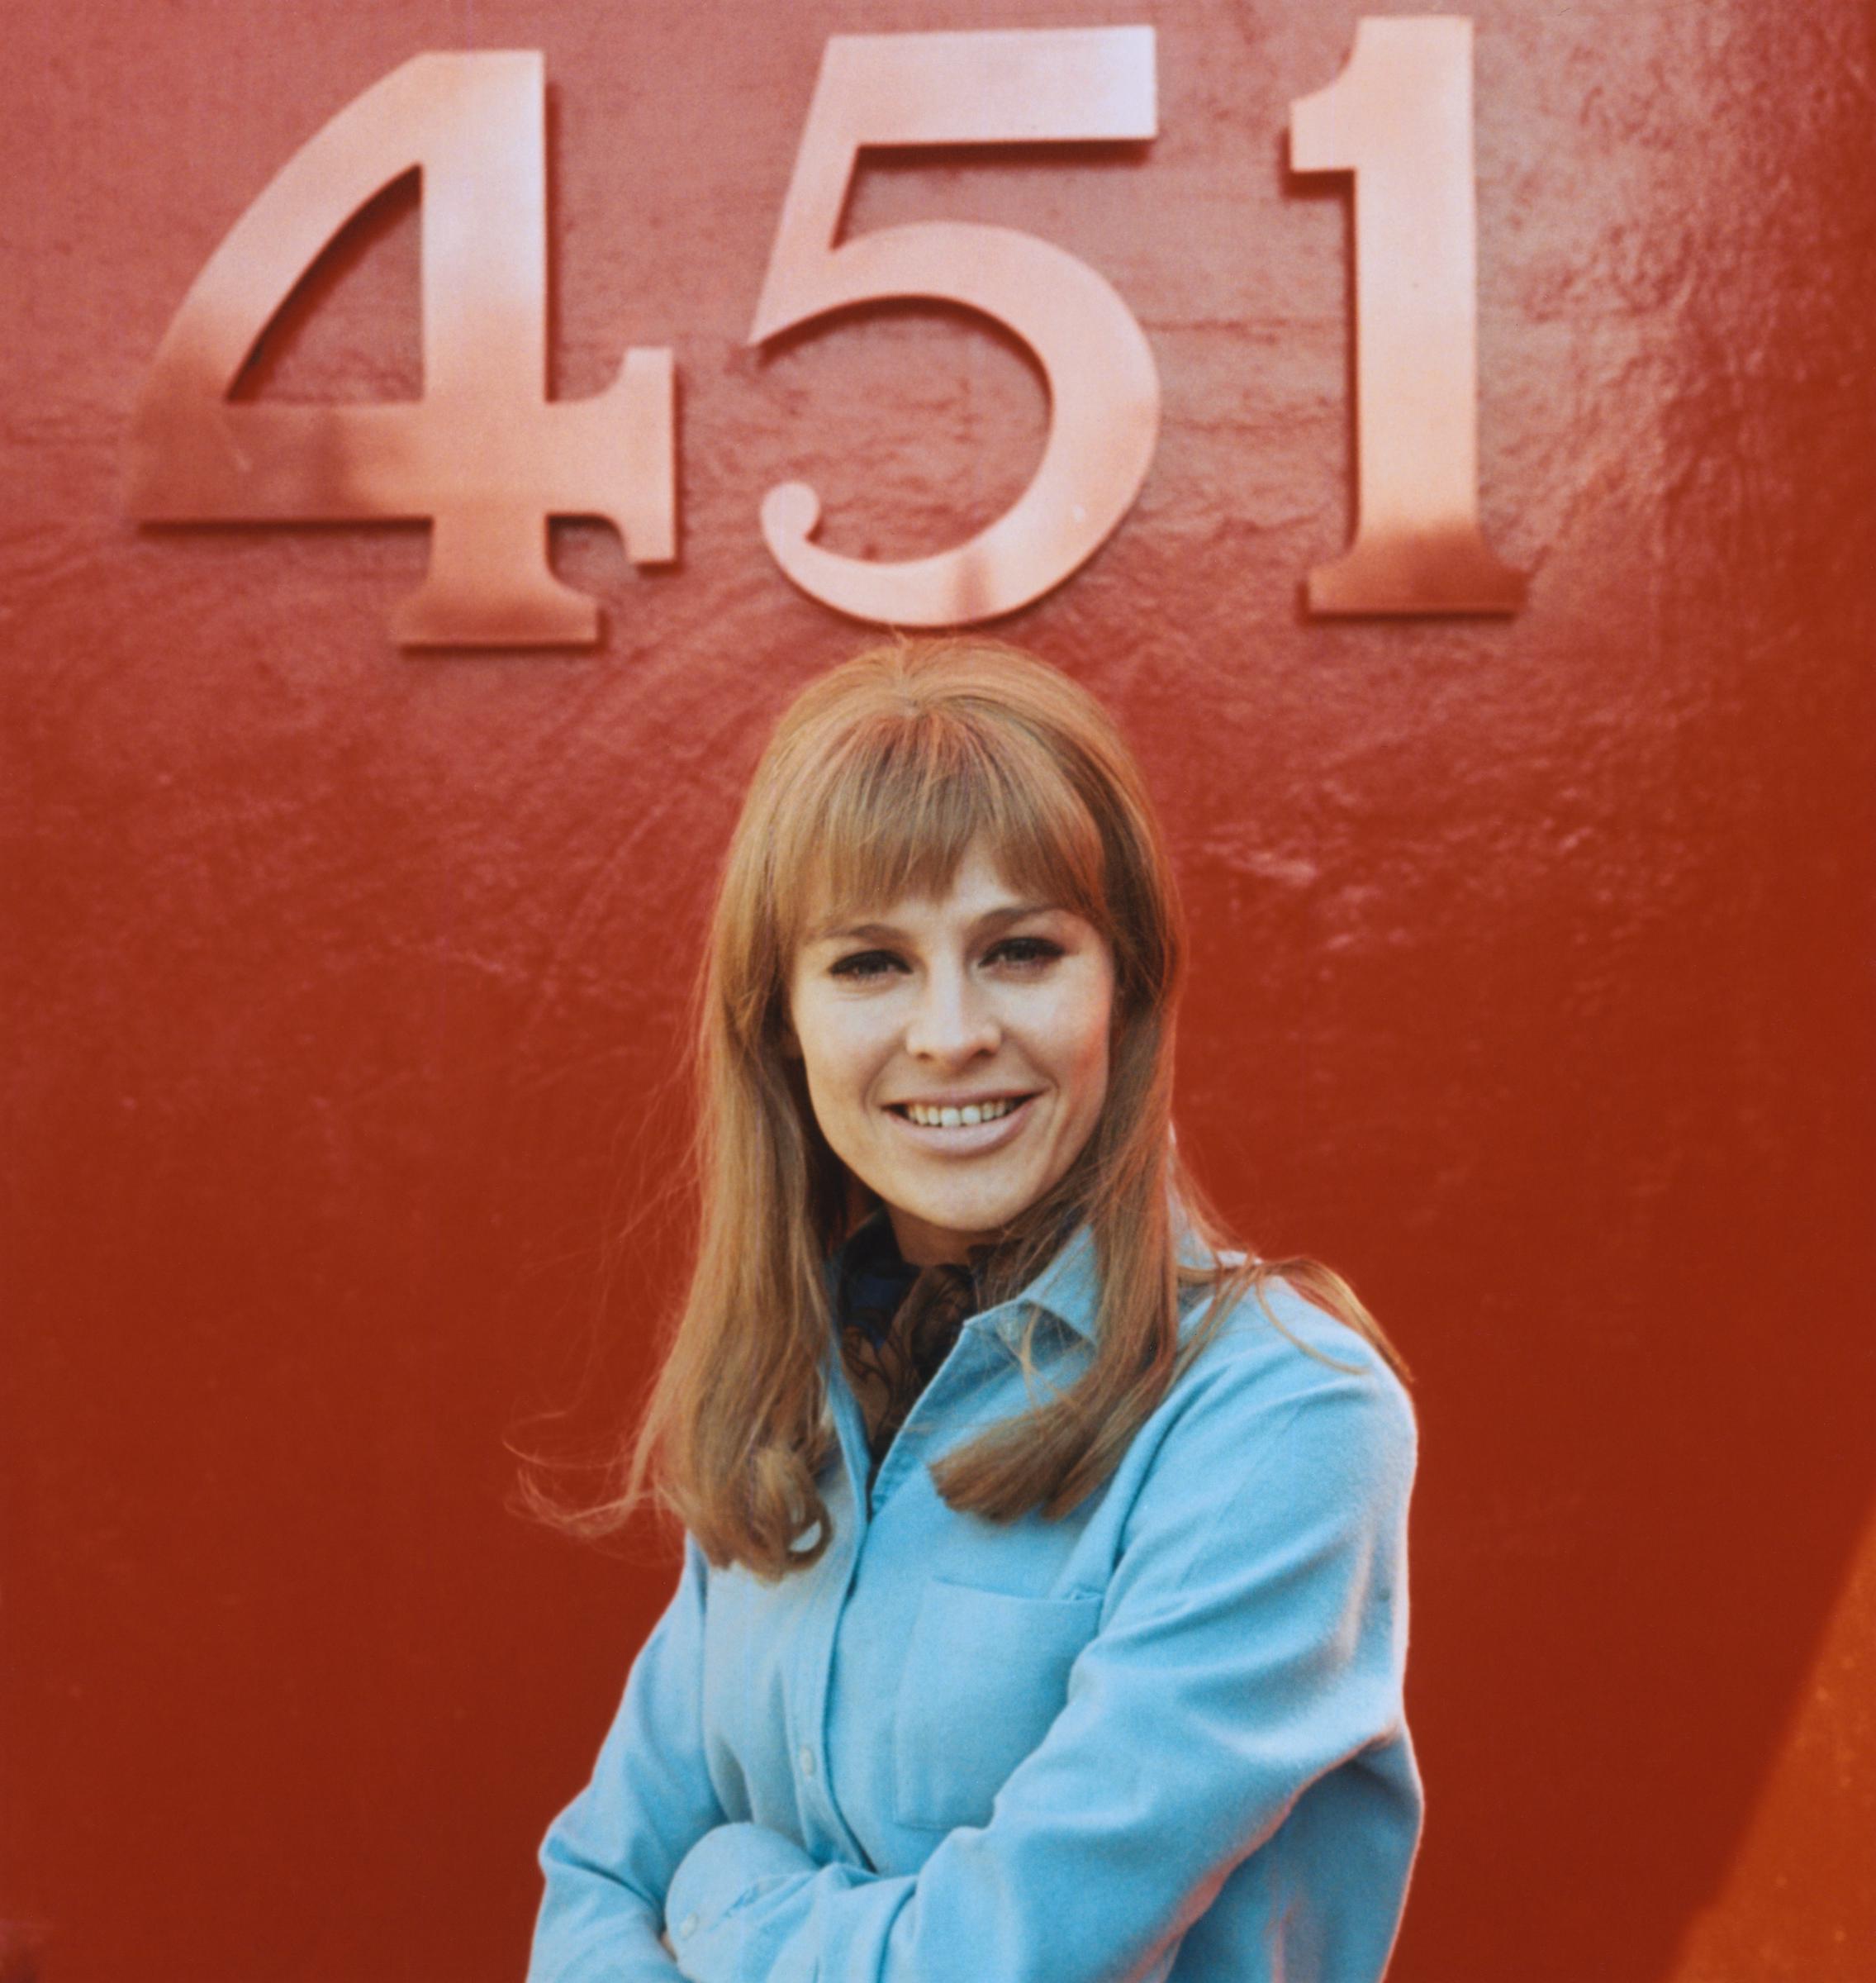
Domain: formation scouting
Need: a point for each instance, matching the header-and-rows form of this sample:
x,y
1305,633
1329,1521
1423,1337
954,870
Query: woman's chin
x,y
928,1230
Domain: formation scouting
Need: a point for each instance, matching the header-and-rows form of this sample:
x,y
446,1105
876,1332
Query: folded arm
x,y
610,1856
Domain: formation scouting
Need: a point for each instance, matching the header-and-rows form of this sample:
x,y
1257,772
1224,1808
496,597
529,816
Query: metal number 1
x,y
1399,117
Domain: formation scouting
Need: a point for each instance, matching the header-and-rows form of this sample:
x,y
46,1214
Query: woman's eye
x,y
1028,951
1013,953
866,964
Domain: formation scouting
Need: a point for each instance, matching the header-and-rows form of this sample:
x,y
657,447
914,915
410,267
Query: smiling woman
x,y
1043,1606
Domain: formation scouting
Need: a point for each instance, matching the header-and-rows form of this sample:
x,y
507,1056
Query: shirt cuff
x,y
719,1872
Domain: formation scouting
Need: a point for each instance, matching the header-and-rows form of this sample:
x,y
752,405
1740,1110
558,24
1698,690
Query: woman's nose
x,y
954,1019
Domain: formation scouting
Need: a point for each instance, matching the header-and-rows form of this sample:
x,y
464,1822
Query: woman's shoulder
x,y
1277,1357
1285,1422
1269,1310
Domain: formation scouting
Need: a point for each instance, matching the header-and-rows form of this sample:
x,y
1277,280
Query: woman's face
x,y
977,997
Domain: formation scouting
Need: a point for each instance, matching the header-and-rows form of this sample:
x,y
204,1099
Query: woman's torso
x,y
877,1701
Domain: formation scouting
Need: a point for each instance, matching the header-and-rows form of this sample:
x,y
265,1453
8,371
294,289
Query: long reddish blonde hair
x,y
877,779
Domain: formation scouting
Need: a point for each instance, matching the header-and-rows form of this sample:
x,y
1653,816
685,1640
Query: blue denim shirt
x,y
1160,1738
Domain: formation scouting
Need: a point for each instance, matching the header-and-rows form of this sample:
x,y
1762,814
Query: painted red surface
x,y
343,988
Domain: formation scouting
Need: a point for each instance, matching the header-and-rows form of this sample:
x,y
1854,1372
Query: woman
x,y
1043,1608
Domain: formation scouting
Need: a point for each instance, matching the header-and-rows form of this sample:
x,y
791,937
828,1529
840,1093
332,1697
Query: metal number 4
x,y
484,455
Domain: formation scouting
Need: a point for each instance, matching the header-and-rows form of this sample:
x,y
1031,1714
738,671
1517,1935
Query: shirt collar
x,y
1070,1286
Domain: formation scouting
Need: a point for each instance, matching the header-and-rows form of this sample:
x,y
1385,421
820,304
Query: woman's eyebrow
x,y
887,933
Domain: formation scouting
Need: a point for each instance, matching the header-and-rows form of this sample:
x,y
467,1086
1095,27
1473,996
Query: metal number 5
x,y
1009,87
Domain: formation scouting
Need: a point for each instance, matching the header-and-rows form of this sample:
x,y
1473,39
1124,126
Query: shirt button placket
x,y
824,1822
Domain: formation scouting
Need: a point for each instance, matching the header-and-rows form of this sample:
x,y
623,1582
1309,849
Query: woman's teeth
x,y
952,1119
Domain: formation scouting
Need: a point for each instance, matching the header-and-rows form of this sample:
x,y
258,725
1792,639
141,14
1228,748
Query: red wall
x,y
343,985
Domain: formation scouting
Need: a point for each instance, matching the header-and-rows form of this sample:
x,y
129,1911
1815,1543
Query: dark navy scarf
x,y
897,1322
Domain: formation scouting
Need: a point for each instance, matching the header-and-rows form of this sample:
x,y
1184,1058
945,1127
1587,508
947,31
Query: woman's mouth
x,y
967,1128
967,1115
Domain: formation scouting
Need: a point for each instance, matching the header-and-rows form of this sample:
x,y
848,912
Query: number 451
x,y
488,459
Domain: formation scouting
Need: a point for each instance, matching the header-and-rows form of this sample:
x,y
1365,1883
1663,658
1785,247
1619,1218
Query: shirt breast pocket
x,y
985,1675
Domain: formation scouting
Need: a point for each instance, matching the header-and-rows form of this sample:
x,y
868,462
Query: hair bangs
x,y
900,806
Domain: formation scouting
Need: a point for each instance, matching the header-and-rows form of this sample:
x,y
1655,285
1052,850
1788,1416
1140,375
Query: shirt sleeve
x,y
608,1857
1253,1639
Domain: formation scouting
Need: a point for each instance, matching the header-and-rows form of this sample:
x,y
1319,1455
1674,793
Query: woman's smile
x,y
964,1131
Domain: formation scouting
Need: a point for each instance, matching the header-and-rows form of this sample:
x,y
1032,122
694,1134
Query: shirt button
x,y
688,1925
807,1761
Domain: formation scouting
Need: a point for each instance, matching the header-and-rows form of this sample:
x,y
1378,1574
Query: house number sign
x,y
488,459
